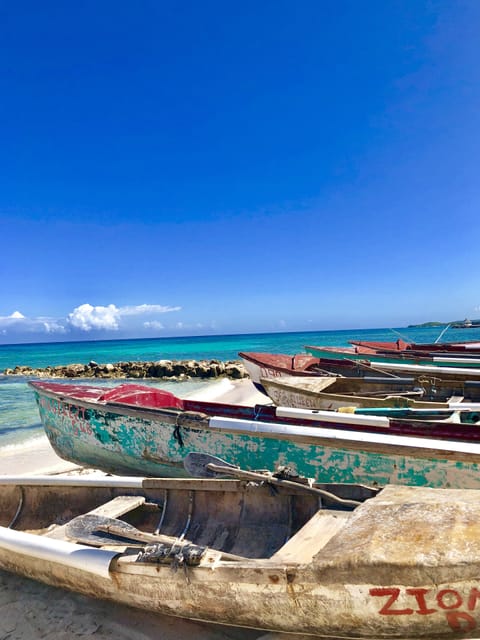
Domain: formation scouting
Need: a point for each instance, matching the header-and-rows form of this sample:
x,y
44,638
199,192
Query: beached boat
x,y
316,392
442,360
442,366
270,365
401,345
334,561
273,365
147,431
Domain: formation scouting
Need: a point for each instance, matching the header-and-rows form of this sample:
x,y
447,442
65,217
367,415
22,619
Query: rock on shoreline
x,y
163,369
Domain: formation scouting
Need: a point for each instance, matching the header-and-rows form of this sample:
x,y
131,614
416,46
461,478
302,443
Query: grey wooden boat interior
x,y
241,518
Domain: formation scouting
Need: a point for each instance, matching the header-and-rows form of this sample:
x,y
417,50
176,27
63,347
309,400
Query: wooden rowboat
x,y
464,367
400,345
273,365
147,431
316,392
331,561
375,356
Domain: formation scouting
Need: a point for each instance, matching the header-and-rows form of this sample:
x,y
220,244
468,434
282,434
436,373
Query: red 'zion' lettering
x,y
472,598
446,594
447,600
392,593
419,594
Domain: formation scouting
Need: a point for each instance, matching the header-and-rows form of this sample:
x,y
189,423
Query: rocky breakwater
x,y
162,369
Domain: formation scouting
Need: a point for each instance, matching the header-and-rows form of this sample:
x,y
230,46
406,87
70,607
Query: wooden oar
x,y
203,465
88,529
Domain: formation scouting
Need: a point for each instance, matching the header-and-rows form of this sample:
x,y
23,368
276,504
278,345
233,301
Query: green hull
x,y
133,441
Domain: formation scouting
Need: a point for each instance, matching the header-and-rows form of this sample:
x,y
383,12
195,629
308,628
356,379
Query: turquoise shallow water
x,y
19,420
206,347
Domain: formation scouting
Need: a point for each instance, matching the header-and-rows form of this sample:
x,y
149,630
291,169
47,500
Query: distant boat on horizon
x,y
467,324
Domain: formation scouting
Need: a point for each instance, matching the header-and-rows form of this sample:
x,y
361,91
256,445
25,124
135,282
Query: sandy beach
x,y
30,610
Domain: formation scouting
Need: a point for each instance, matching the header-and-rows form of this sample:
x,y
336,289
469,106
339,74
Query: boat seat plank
x,y
114,508
312,536
456,399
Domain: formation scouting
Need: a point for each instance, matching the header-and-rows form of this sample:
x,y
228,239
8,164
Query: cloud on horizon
x,y
87,318
17,323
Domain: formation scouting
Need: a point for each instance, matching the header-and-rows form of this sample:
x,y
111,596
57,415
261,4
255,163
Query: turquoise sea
x,y
19,420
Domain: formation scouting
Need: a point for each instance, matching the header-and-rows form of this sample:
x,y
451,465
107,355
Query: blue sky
x,y
184,168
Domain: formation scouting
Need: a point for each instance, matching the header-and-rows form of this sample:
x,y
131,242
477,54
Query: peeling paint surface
x,y
121,443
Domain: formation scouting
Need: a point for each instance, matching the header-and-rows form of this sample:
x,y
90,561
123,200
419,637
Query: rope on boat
x,y
177,433
164,510
189,517
439,337
399,334
19,509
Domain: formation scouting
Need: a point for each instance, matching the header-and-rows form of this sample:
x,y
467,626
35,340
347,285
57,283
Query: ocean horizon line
x,y
201,336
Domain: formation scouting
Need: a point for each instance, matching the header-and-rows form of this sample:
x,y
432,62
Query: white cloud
x,y
13,318
87,317
153,324
18,323
195,325
53,327
146,308
9,321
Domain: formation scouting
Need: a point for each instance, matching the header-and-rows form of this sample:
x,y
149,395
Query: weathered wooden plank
x,y
312,536
114,508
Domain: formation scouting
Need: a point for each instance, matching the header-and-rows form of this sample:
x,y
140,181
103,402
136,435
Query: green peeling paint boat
x,y
143,430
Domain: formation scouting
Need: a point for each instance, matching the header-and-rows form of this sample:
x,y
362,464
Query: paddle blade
x,y
85,529
196,465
